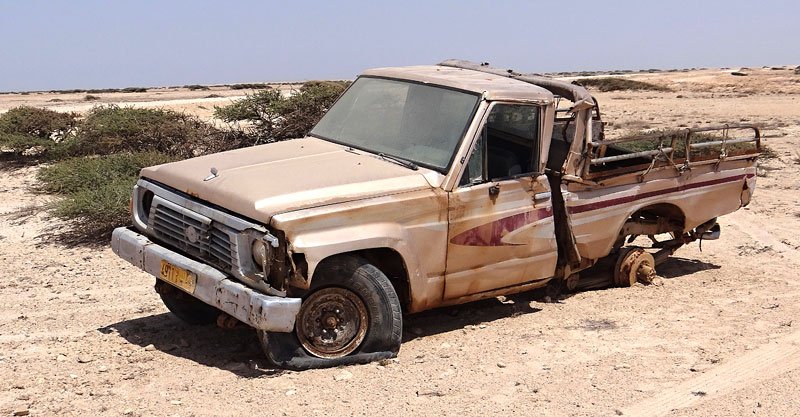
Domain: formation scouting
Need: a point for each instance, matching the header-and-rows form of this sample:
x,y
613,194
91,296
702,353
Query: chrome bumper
x,y
265,312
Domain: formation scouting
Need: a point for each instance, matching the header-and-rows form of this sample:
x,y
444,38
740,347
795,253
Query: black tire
x,y
384,323
185,307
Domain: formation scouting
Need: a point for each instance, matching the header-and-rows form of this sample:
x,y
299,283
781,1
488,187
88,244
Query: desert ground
x,y
718,333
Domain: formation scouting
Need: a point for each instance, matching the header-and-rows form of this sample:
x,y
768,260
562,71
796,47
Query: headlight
x,y
262,254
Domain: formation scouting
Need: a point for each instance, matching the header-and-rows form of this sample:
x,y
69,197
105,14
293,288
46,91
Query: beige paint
x,y
330,200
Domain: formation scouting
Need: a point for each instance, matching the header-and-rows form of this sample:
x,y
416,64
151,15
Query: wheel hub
x,y
634,265
332,322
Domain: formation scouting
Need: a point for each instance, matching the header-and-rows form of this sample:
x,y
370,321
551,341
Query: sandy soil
x,y
83,333
199,102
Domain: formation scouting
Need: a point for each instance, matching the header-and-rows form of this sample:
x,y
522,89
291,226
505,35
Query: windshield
x,y
417,122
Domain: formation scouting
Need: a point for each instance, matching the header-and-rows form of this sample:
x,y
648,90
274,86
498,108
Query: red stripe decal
x,y
491,234
630,198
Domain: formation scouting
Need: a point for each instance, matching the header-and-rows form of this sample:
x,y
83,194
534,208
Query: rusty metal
x,y
634,264
332,323
227,321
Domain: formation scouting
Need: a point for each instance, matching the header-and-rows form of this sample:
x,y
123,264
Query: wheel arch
x,y
387,260
652,219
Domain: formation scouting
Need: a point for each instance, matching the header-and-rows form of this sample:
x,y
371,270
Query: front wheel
x,y
351,314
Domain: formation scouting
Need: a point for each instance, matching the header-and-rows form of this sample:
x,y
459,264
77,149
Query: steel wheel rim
x,y
332,323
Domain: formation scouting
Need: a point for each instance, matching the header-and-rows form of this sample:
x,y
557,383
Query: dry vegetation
x,y
96,157
606,84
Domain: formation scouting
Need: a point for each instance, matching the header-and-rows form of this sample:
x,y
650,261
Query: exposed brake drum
x,y
634,264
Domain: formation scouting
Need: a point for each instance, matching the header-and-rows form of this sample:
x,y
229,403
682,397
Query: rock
x,y
343,376
102,369
175,402
621,366
21,412
481,326
84,359
150,348
291,392
429,393
127,412
61,358
501,365
24,397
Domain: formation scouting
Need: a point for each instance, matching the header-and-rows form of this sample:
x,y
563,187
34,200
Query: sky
x,y
106,44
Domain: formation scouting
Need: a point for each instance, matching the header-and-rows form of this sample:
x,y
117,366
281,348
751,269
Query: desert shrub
x,y
606,84
269,116
254,108
249,86
112,129
90,97
195,87
95,191
25,148
40,123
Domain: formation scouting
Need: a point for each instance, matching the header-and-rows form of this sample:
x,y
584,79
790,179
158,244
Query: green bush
x,y
606,84
112,129
40,123
23,147
269,116
96,192
249,86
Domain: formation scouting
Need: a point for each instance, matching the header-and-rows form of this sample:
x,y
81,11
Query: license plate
x,y
178,277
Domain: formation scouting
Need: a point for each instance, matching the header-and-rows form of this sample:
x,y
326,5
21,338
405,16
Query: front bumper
x,y
264,312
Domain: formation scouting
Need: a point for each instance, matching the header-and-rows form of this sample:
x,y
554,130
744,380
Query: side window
x,y
511,141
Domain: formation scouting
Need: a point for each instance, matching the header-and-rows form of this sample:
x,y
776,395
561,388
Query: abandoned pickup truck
x,y
423,187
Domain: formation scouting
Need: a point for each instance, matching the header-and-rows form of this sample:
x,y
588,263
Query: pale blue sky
x,y
95,44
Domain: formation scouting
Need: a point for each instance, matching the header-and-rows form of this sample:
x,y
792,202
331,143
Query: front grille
x,y
209,242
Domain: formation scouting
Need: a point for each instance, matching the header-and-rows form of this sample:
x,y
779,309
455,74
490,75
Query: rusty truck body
x,y
422,187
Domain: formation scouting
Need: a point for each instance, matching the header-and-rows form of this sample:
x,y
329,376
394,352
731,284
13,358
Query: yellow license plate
x,y
178,277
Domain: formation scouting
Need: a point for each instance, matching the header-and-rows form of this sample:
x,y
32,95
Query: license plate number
x,y
178,277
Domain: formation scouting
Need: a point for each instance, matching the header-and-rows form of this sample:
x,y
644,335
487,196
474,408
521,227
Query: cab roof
x,y
494,87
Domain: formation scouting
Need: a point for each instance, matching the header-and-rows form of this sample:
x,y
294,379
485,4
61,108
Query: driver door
x,y
500,231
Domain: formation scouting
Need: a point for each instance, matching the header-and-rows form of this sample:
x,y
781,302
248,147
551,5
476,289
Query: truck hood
x,y
262,181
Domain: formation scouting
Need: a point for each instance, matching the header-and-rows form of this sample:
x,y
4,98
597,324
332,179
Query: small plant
x,y
95,192
768,153
90,97
606,84
112,129
249,86
33,121
269,116
196,87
